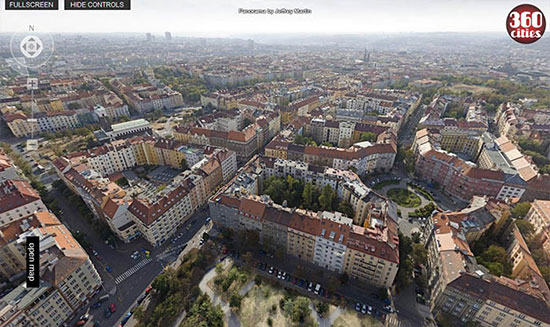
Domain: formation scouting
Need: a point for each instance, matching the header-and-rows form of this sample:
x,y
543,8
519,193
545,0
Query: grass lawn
x,y
383,184
350,318
404,198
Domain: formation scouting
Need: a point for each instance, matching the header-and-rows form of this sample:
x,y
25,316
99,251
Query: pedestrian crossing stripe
x,y
131,271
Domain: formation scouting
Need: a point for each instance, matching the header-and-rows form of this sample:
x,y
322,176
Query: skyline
x,y
327,18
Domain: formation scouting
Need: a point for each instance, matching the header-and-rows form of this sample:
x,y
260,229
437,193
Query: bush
x,y
385,183
322,308
235,301
404,197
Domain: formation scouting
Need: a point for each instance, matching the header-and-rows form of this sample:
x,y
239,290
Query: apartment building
x,y
346,183
159,217
501,170
243,142
523,264
342,134
539,215
139,207
7,167
17,201
460,287
364,157
494,301
68,278
320,238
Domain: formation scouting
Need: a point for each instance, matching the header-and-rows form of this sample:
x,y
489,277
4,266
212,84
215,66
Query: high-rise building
x,y
149,36
168,36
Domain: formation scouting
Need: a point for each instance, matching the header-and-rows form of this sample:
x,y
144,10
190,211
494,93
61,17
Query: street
x,y
128,278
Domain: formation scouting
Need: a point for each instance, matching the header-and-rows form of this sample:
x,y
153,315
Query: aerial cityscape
x,y
165,179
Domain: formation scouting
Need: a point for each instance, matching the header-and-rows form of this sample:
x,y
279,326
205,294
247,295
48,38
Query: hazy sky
x,y
220,17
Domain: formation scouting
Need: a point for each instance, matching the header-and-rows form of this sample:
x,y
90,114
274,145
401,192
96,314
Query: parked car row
x,y
384,178
317,289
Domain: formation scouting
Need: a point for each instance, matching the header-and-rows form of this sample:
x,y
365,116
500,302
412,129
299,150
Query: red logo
x,y
525,24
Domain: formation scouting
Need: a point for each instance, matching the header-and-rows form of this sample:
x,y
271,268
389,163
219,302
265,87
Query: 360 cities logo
x,y
525,24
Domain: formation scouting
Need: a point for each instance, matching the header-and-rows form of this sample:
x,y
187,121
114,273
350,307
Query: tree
x,y
405,263
327,197
346,208
367,136
247,257
419,254
297,309
322,308
307,195
165,283
184,164
235,301
344,278
525,227
521,209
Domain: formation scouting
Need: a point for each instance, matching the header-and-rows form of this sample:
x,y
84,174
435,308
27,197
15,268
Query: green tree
x,y
419,254
322,308
297,309
235,301
521,209
526,228
326,198
307,195
367,136
346,208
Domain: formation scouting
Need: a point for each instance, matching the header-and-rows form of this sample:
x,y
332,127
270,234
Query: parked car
x,y
364,309
358,307
125,319
108,268
270,271
107,313
96,305
310,286
104,298
317,288
112,307
369,310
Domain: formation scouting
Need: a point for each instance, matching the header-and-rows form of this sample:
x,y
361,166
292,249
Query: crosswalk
x,y
131,271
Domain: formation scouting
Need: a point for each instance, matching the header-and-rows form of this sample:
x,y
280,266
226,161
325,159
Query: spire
x,y
366,56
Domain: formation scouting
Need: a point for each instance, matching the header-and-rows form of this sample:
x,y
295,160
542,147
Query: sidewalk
x,y
231,318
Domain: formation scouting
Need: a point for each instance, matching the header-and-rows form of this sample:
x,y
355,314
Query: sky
x,y
220,18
